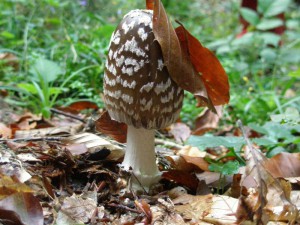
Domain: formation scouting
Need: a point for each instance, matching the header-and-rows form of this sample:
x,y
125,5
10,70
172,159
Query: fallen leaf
x,y
9,59
164,214
94,142
197,161
150,4
269,198
145,208
207,121
215,209
176,59
183,178
207,66
284,165
46,132
76,107
9,186
180,131
112,128
5,132
21,208
77,149
77,209
194,156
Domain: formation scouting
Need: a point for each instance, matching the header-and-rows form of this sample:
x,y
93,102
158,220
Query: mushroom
x,y
139,91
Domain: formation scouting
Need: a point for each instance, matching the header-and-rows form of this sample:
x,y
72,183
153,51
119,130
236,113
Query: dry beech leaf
x,y
207,121
180,131
269,198
215,209
77,209
207,66
163,213
183,178
194,156
197,161
46,132
145,208
112,128
284,165
176,59
21,208
5,132
9,186
150,4
93,142
77,149
75,107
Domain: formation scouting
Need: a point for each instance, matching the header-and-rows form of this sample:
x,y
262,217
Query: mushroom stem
x,y
140,156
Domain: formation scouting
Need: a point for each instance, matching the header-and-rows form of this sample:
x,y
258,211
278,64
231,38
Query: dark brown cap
x,y
137,87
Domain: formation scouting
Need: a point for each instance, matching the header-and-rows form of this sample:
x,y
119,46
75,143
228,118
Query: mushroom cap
x,y
138,90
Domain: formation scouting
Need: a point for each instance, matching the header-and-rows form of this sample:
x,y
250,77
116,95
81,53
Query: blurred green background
x,y
52,52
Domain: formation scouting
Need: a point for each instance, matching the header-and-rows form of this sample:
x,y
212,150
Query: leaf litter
x,y
75,179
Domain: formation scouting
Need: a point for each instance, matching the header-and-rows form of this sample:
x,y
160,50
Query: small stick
x,y
33,139
57,111
123,207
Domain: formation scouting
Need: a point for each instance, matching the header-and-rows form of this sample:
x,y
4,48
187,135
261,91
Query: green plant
x,y
41,93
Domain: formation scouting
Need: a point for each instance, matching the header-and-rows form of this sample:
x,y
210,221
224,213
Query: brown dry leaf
x,y
183,178
197,161
77,149
112,128
284,165
44,132
21,208
164,213
5,132
179,163
9,186
175,57
93,142
207,121
180,131
9,59
145,208
215,209
269,198
77,210
194,156
150,4
76,107
208,67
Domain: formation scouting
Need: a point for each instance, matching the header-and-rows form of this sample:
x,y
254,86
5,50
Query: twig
x,y
168,143
67,114
123,207
34,139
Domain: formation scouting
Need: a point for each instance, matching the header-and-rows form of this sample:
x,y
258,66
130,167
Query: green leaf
x,y
275,151
228,168
28,87
295,74
291,115
204,142
250,16
48,70
263,5
7,35
277,7
267,24
270,38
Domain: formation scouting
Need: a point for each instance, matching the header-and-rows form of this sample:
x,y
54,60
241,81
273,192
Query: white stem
x,y
140,155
